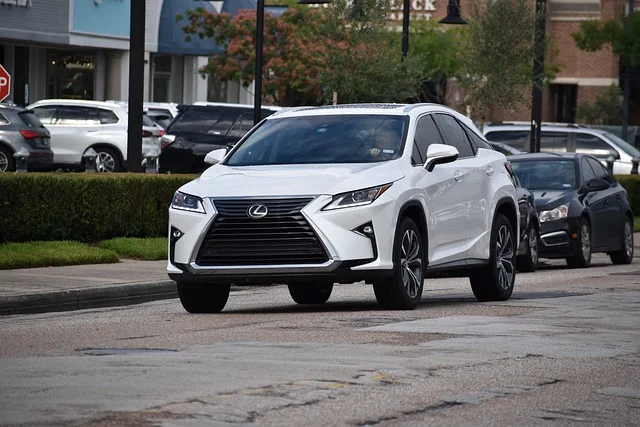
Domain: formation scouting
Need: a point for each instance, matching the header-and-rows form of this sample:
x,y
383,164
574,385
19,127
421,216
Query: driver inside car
x,y
386,143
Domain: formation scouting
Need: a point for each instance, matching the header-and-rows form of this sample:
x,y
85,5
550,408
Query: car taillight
x,y
166,141
161,133
29,134
146,134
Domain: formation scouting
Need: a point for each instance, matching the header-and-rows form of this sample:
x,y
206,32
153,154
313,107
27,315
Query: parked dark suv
x,y
200,128
20,128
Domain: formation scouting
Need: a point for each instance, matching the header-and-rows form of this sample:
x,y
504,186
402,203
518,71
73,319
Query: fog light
x,y
176,234
367,229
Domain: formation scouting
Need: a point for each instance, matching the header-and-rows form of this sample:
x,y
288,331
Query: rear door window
x,y
554,142
515,138
591,144
197,120
79,116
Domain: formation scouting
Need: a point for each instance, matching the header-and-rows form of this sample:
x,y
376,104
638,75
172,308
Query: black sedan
x,y
581,207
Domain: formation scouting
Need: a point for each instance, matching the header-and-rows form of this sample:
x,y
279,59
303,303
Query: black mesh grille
x,y
283,236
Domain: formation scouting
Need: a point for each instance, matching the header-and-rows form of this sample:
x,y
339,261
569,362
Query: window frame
x,y
466,137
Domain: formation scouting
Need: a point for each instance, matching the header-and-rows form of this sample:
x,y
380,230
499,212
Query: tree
x,y
606,110
498,52
594,35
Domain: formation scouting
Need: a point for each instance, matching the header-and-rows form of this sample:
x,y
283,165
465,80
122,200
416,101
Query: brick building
x,y
582,75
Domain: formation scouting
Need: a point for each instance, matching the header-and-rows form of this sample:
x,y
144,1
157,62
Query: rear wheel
x,y
108,160
7,161
582,258
403,290
625,254
495,281
203,298
310,293
528,262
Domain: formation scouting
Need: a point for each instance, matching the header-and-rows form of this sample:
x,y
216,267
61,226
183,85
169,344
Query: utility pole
x,y
538,75
627,80
136,85
405,28
257,100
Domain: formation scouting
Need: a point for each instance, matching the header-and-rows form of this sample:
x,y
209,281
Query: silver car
x,y
77,125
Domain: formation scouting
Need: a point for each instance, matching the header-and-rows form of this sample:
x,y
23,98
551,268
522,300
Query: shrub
x,y
83,206
632,184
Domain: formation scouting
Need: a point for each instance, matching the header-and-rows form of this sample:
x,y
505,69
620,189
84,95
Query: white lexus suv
x,y
383,193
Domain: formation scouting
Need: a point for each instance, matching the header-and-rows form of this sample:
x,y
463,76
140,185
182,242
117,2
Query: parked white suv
x,y
77,125
384,193
567,138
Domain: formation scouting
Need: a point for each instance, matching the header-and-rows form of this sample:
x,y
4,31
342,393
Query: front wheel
x,y
304,293
625,254
582,258
495,281
108,160
203,298
528,262
403,290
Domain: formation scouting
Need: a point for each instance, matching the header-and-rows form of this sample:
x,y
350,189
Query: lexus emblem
x,y
257,211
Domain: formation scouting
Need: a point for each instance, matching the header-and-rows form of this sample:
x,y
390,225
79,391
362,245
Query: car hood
x,y
549,199
291,180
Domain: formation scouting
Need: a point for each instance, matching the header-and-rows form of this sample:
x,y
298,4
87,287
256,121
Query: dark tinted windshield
x,y
546,174
323,139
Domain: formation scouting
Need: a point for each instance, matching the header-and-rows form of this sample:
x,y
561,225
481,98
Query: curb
x,y
84,298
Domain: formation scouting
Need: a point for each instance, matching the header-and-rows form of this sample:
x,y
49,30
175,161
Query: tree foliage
x,y
606,110
594,35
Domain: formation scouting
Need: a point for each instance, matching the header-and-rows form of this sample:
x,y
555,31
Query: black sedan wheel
x,y
625,254
528,262
582,258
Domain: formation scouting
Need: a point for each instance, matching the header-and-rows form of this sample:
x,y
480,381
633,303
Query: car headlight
x,y
554,214
356,198
187,202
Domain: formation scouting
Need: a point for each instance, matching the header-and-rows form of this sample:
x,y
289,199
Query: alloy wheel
x,y
585,242
4,162
533,245
411,263
105,162
628,239
504,258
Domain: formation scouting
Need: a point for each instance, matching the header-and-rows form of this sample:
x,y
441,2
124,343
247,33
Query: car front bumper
x,y
559,239
349,254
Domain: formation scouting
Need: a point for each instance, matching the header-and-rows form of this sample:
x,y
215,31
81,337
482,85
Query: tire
x,y
582,258
7,161
528,262
310,293
625,254
203,298
495,281
403,290
108,160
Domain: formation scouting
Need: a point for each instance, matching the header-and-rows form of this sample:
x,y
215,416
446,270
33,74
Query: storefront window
x,y
161,78
70,75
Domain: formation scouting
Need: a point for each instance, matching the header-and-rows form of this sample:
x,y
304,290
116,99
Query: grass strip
x,y
52,254
150,249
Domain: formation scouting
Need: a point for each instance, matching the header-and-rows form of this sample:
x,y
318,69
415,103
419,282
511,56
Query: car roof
x,y
545,156
228,104
13,108
371,108
546,126
81,102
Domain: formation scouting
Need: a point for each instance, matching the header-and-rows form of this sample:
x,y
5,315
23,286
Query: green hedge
x,y
83,206
632,185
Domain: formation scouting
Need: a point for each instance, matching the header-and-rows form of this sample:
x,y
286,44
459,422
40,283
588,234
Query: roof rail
x,y
524,123
410,107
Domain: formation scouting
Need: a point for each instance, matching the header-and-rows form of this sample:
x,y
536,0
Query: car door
x,y
609,226
72,131
595,202
447,226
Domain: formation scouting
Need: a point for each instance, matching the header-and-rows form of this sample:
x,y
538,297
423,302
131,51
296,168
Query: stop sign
x,y
5,83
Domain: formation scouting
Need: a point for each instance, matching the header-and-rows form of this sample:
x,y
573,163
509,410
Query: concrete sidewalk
x,y
39,290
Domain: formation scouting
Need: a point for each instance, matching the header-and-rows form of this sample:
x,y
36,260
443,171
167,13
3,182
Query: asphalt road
x,y
563,351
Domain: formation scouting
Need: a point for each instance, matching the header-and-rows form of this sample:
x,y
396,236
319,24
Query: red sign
x,y
5,83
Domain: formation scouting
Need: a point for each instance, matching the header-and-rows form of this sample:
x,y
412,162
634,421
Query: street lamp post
x,y
136,88
257,101
538,75
627,80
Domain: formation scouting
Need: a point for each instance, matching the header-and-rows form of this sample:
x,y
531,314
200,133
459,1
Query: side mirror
x,y
438,154
596,184
215,156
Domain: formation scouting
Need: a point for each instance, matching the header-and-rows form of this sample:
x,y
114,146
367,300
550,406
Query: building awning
x,y
171,37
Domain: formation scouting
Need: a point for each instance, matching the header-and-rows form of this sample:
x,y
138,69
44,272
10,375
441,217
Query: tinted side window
x,y
454,135
107,117
587,172
426,134
70,115
591,144
241,126
599,169
45,114
479,142
3,120
197,120
224,122
515,138
554,142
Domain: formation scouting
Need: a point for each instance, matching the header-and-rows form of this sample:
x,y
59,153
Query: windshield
x,y
624,145
546,175
323,139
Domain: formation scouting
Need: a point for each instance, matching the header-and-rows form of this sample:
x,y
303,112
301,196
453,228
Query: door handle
x,y
490,171
457,176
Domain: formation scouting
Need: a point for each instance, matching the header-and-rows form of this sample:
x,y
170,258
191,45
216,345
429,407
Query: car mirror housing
x,y
438,154
215,156
596,184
